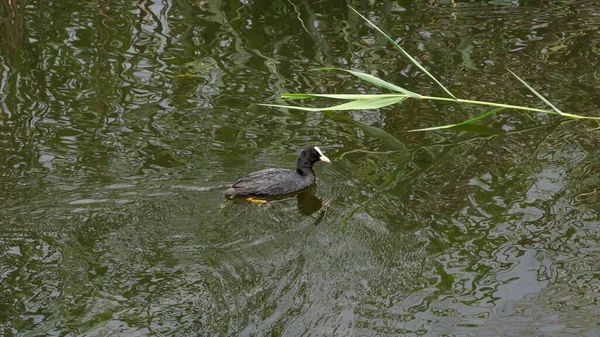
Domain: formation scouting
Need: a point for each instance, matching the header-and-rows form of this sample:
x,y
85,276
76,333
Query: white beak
x,y
322,156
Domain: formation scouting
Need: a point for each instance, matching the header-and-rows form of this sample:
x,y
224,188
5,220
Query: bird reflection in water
x,y
308,203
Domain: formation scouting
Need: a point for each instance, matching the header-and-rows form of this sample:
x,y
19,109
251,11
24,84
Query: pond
x,y
121,124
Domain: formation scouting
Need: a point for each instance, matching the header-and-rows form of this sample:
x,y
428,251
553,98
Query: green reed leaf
x,y
377,81
360,104
472,120
341,96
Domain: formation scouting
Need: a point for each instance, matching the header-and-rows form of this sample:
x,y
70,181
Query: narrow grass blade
x,y
360,104
372,131
578,116
377,81
415,62
538,95
472,120
341,96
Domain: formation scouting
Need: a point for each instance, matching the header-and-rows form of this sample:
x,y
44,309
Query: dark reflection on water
x,y
120,122
306,200
309,203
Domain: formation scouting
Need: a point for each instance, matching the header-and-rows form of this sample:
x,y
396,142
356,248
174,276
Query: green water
x,y
121,123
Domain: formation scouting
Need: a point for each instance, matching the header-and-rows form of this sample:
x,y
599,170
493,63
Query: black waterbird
x,y
277,181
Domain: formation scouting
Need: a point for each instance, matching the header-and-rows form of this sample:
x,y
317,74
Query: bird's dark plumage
x,y
277,181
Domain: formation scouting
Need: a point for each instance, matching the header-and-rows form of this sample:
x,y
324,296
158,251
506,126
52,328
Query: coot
x,y
278,181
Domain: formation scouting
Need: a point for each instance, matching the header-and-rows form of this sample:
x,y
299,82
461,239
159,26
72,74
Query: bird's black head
x,y
309,156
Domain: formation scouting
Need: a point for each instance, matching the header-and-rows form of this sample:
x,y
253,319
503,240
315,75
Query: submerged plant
x,y
366,101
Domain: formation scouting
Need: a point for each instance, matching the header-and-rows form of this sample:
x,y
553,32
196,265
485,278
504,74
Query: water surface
x,y
120,124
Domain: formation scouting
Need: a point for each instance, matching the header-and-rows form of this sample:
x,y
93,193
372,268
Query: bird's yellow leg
x,y
258,201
